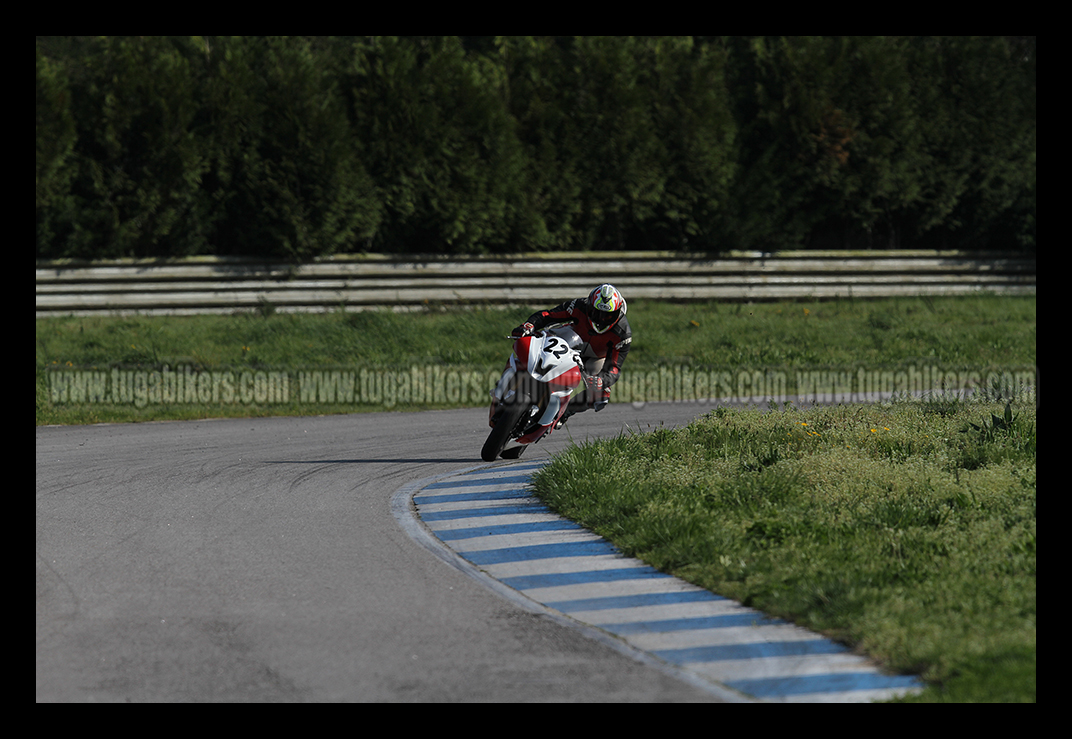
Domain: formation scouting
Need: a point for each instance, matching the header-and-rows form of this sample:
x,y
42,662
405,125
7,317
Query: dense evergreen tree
x,y
979,117
875,142
438,141
288,177
296,147
134,177
56,138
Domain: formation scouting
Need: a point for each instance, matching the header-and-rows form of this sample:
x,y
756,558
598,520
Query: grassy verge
x,y
906,531
268,342
966,331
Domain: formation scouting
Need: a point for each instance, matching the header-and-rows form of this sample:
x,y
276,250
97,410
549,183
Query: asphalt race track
x,y
259,560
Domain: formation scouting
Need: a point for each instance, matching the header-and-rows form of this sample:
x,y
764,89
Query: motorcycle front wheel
x,y
509,415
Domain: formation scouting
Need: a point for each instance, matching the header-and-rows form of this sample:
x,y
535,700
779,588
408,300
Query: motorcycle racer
x,y
599,319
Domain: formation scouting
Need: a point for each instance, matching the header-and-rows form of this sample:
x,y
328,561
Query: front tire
x,y
509,415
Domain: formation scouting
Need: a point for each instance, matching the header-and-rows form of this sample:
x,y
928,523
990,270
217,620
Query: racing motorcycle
x,y
534,391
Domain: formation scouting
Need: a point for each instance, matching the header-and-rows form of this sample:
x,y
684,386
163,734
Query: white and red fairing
x,y
549,359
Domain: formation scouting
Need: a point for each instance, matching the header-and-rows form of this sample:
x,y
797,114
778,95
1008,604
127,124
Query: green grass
x,y
978,331
906,531
981,330
288,342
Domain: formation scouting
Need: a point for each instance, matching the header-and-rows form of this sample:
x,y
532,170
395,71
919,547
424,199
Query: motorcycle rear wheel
x,y
509,416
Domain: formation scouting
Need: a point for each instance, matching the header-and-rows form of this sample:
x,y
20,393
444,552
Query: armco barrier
x,y
218,285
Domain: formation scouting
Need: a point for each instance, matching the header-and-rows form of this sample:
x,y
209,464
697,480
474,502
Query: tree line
x,y
297,147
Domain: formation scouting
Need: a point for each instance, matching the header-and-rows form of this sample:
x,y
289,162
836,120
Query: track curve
x,y
259,560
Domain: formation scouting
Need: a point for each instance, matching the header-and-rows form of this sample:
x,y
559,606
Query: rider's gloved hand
x,y
593,385
525,329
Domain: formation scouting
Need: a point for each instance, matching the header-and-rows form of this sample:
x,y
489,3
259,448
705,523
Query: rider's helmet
x,y
605,308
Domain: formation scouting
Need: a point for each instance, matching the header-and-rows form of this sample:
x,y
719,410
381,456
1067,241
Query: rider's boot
x,y
562,421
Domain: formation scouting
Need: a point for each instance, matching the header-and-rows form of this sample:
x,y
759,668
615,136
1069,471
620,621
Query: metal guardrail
x,y
220,285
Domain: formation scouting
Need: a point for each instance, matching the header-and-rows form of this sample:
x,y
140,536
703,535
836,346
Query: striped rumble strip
x,y
488,518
